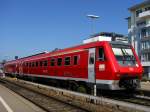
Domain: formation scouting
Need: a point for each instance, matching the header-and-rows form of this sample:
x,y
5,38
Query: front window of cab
x,y
124,55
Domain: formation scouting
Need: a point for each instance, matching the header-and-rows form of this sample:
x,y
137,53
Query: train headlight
x,y
137,65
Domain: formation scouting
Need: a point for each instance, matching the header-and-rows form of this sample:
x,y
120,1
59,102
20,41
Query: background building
x,y
139,32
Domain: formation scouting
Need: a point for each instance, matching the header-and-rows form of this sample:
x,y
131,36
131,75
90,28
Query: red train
x,y
110,65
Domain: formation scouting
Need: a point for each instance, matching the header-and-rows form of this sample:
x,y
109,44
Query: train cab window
x,y
59,61
101,56
75,60
67,60
45,63
52,62
36,63
41,63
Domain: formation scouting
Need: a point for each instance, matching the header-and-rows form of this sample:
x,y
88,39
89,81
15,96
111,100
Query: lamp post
x,y
92,17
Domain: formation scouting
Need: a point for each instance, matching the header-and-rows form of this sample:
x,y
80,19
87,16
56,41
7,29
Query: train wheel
x,y
82,89
73,86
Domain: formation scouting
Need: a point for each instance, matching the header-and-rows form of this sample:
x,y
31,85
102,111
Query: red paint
x,y
112,68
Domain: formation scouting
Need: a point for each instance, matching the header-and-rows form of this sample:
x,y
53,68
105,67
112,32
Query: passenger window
x,y
91,60
41,63
75,59
45,63
36,64
27,64
52,62
101,56
32,64
67,61
59,61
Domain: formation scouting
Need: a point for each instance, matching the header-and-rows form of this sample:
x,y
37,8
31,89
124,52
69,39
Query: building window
x,y
147,8
148,56
59,61
141,23
52,62
67,61
45,63
138,12
75,60
143,33
148,31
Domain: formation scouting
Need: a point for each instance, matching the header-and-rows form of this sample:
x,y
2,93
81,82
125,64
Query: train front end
x,y
129,69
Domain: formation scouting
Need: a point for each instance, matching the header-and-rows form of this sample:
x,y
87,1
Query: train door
x,y
91,66
101,65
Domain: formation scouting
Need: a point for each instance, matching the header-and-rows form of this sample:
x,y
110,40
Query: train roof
x,y
58,52
48,54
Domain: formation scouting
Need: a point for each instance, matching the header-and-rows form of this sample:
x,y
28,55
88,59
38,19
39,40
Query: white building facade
x,y
139,33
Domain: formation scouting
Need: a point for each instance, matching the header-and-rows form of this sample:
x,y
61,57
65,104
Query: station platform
x,y
12,102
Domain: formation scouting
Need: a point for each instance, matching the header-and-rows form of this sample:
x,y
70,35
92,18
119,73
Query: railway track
x,y
111,102
138,97
47,103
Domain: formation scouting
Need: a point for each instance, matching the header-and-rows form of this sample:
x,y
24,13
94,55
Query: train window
x,y
101,56
52,62
29,64
45,63
67,61
36,63
32,64
59,61
24,64
75,60
91,60
41,63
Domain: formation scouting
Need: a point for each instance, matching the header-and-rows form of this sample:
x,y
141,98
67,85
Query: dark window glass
x,y
41,63
26,64
75,60
67,61
52,62
36,64
45,63
147,8
59,61
29,64
32,64
101,54
143,32
138,12
91,59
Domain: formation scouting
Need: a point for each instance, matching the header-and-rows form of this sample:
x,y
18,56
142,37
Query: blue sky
x,y
32,26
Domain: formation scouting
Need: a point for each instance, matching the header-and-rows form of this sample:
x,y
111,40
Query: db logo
x,y
131,69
